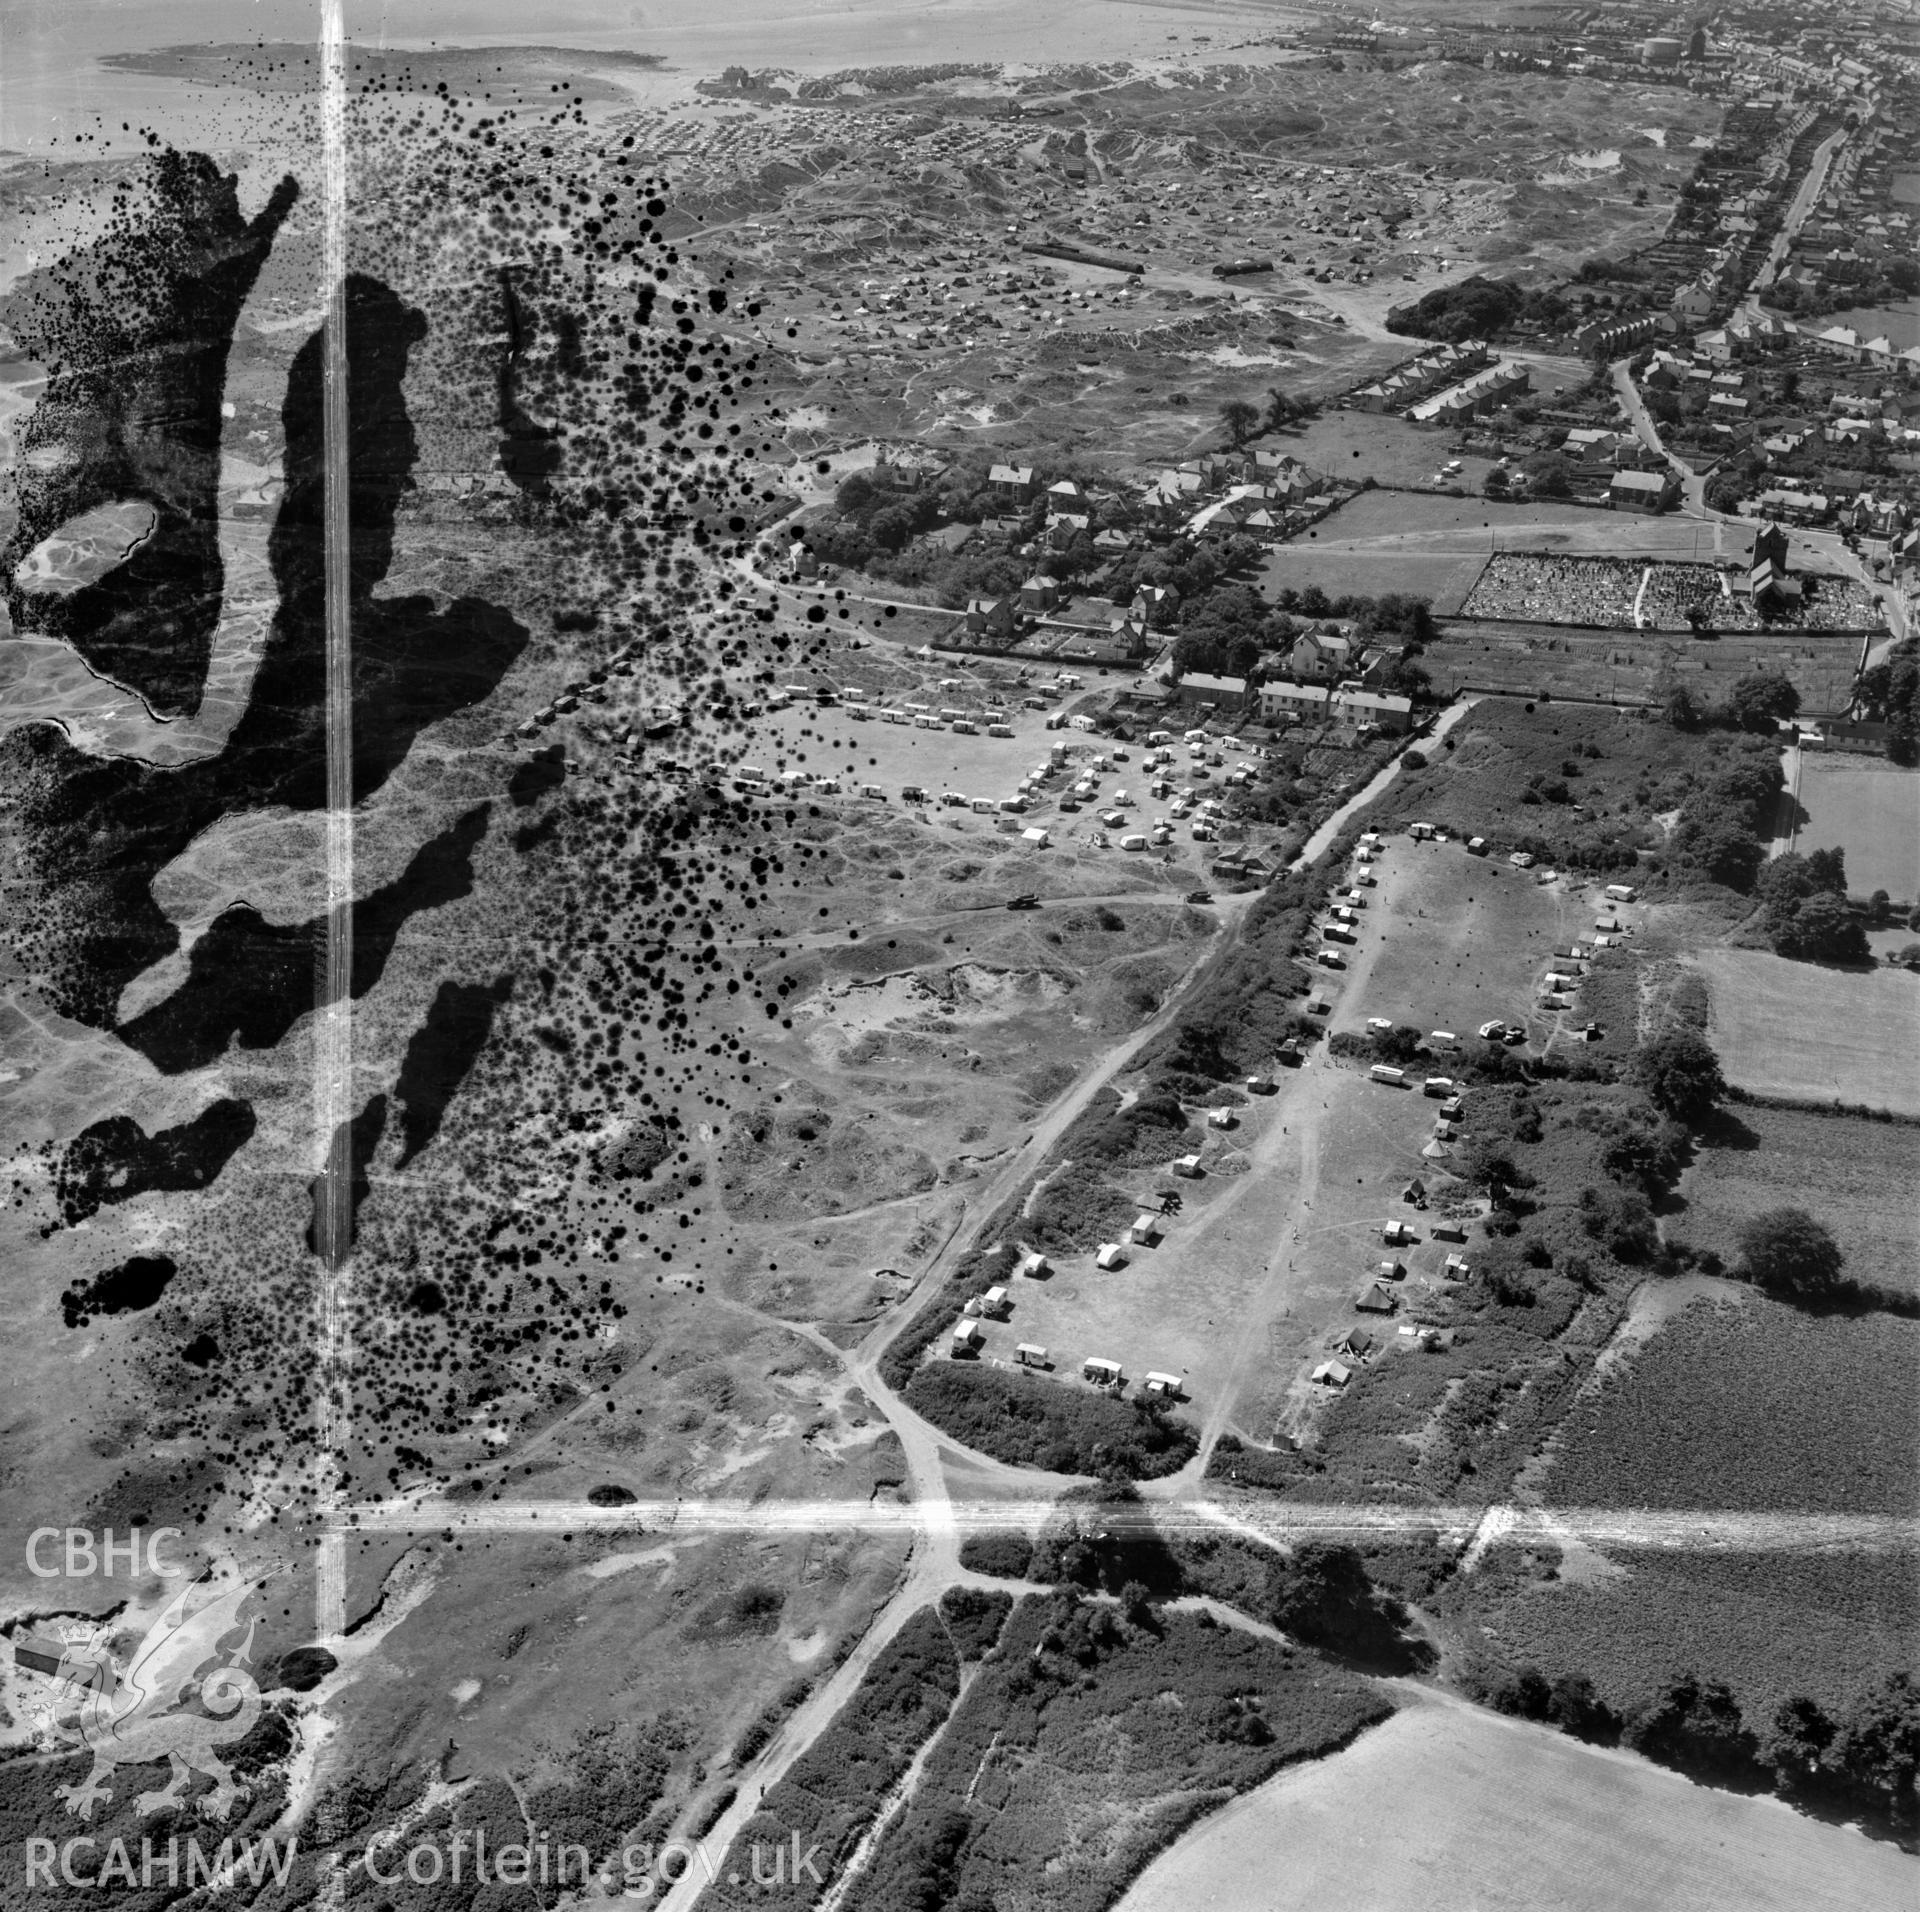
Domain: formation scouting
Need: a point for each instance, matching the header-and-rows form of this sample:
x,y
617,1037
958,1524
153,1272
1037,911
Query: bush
x,y
1031,1422
1006,1555
1790,1255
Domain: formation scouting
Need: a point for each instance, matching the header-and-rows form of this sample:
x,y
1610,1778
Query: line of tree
x,y
1863,1762
1889,693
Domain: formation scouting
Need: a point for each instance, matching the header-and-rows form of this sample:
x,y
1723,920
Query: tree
x,y
1681,1073
1241,419
856,495
1496,485
1696,1728
1789,1255
1823,929
1801,1734
1281,409
1760,698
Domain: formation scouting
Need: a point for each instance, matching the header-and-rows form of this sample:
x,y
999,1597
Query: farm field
x,y
1772,1625
1750,1406
1455,1810
1856,1176
1520,659
1795,1029
1871,810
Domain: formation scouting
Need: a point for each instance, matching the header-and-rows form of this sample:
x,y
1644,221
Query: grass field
x,y
1471,940
1795,1029
1619,667
1453,1810
1373,569
1869,809
1355,444
1856,1175
1751,1406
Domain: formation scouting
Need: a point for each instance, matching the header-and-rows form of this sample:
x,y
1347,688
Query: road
x,y
935,1462
1798,208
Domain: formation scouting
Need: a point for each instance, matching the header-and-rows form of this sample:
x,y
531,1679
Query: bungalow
x,y
1649,492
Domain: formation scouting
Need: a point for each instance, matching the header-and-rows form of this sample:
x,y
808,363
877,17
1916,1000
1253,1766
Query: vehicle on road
x,y
1199,896
1027,901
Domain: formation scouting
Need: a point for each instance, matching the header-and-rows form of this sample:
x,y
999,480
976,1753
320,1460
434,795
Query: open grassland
x,y
1620,667
1754,1407
1857,1177
1454,1810
1869,809
1770,1625
1795,1029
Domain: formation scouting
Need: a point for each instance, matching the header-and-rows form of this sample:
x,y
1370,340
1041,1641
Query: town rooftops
x,y
1640,483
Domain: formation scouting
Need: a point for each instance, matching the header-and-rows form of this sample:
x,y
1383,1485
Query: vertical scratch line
x,y
333,1033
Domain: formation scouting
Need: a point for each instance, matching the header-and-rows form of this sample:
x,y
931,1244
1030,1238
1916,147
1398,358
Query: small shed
x,y
1146,1229
1111,1255
1449,1231
1456,1269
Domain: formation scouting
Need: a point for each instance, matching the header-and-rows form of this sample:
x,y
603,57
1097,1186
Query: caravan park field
x,y
1819,1035
1455,1810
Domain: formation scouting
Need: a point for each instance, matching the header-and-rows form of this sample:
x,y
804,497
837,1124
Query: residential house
x,y
1224,693
1039,594
992,620
1322,654
1372,710
1012,485
1642,491
1282,701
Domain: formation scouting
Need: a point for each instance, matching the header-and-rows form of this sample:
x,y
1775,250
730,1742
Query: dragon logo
x,y
138,1718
